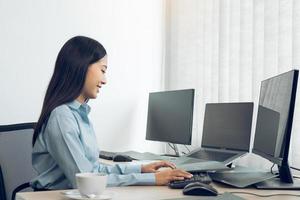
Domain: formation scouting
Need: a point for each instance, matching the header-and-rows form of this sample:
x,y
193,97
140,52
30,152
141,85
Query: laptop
x,y
226,132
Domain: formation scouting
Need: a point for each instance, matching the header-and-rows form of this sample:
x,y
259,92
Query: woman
x,y
64,142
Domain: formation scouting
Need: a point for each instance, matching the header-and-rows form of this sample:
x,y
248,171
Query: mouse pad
x,y
225,196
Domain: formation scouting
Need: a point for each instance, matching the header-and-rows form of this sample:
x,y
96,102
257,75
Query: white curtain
x,y
225,48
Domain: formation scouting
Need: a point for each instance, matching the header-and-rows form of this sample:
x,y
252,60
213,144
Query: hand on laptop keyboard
x,y
202,177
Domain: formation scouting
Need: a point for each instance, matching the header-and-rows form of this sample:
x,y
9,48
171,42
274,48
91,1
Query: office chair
x,y
15,159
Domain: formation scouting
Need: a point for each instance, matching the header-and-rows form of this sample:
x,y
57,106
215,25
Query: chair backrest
x,y
15,156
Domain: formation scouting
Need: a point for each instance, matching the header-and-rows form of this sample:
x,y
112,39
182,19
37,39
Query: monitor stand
x,y
276,184
175,148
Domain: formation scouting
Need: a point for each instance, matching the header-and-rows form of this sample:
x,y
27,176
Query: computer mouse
x,y
199,189
122,158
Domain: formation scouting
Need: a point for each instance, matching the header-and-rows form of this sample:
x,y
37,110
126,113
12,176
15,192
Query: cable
x,y
266,195
294,168
272,170
297,177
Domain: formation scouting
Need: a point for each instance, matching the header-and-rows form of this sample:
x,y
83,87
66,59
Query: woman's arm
x,y
62,138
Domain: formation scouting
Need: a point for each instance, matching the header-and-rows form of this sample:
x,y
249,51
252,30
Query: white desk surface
x,y
157,192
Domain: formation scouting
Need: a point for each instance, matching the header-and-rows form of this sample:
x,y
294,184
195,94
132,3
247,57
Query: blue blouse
x,y
67,145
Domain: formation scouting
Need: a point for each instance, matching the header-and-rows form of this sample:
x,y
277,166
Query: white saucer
x,y
74,194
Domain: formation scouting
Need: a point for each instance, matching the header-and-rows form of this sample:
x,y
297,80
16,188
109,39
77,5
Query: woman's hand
x,y
163,177
153,167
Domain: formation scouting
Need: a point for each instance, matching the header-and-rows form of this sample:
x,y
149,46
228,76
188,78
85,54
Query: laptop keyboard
x,y
212,155
202,177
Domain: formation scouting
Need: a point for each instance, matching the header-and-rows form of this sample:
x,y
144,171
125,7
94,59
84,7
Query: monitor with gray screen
x,y
170,116
227,126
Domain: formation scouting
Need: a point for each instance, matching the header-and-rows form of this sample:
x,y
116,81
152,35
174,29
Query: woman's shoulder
x,y
62,115
61,120
61,111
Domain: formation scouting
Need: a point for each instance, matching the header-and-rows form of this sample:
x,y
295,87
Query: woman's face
x,y
94,80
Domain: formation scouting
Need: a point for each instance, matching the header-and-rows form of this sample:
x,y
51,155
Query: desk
x,y
155,193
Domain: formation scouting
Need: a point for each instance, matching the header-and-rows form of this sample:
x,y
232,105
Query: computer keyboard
x,y
107,155
212,155
117,157
202,177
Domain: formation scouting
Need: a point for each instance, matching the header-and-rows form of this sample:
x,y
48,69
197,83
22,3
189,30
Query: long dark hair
x,y
69,75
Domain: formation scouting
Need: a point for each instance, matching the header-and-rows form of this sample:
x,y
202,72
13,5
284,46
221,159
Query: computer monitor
x,y
274,125
227,126
170,117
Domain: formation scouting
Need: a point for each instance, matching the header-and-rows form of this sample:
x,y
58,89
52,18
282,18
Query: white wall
x,y
33,31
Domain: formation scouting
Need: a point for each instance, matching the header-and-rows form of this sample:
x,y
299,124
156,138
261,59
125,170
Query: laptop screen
x,y
227,126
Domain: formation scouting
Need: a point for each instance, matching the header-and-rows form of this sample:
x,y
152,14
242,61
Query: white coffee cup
x,y
91,184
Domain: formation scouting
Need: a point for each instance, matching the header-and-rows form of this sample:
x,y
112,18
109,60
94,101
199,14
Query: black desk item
x,y
197,177
115,156
106,155
274,124
225,138
199,189
122,158
170,117
15,151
